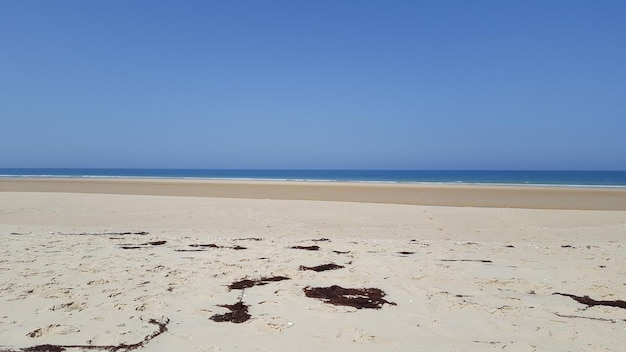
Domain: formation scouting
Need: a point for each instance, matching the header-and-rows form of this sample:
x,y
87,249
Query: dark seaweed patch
x,y
274,278
406,253
43,348
590,302
210,245
340,252
128,233
238,313
358,298
308,248
467,260
140,245
323,267
154,243
213,245
247,283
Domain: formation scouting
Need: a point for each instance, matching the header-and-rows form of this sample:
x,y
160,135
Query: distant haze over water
x,y
504,177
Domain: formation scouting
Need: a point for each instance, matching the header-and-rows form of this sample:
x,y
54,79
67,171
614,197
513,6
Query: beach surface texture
x,y
182,265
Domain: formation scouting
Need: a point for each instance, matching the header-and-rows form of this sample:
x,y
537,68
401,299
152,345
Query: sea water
x,y
488,177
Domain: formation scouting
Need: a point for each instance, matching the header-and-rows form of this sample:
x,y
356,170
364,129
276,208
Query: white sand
x,y
64,281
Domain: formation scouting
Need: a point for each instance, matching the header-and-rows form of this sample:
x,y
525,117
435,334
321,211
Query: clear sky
x,y
334,84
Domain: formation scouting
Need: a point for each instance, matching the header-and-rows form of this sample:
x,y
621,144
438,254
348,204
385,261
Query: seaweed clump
x,y
142,245
323,267
238,313
307,248
590,302
43,348
247,283
359,298
154,243
213,245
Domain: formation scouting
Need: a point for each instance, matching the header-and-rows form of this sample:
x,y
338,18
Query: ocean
x,y
487,177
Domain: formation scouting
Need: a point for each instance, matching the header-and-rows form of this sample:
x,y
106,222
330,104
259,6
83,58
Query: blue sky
x,y
313,84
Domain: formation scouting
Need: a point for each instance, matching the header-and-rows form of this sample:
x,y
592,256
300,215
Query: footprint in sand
x,y
42,331
68,307
359,336
53,328
272,324
97,282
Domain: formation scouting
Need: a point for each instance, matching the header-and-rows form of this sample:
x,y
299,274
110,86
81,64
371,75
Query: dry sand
x,y
462,278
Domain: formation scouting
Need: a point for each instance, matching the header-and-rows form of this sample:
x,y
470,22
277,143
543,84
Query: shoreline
x,y
313,180
461,195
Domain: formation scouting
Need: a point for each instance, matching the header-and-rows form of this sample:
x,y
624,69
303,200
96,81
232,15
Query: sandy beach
x,y
158,265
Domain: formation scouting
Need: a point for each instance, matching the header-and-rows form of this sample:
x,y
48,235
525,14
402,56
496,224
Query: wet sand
x,y
415,194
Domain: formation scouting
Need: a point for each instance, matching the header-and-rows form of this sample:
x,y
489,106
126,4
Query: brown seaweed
x,y
154,243
590,318
247,283
43,348
112,348
406,253
308,248
590,302
140,245
127,233
274,278
340,252
238,313
210,245
213,245
468,260
323,267
371,298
